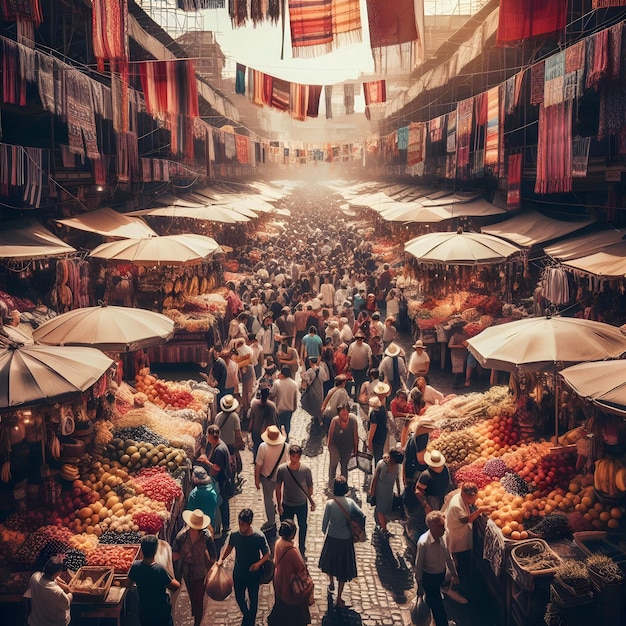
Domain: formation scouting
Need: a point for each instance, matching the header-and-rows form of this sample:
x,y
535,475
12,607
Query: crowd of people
x,y
316,325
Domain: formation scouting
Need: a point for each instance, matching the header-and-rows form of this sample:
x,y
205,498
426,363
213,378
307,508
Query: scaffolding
x,y
173,20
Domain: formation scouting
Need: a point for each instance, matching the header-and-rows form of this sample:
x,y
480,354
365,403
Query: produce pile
x,y
123,487
195,313
529,491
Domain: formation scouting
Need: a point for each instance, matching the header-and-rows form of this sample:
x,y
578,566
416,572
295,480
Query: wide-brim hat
x,y
381,389
196,519
374,402
434,458
418,344
393,349
229,403
273,436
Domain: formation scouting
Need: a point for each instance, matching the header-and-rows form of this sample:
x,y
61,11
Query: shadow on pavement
x,y
393,570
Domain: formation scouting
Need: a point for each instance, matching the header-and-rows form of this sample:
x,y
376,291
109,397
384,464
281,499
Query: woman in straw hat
x,y
195,549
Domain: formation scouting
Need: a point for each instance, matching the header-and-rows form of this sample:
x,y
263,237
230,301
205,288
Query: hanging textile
x,y
613,88
451,133
268,89
346,16
238,11
513,195
99,171
465,110
109,30
375,92
328,101
240,79
604,4
553,79
554,149
518,21
45,80
580,156
199,5
280,94
298,101
348,97
16,10
169,87
394,35
509,95
230,147
127,159
311,24
537,82
12,85
242,149
79,114
574,71
597,59
415,153
256,87
313,102
402,137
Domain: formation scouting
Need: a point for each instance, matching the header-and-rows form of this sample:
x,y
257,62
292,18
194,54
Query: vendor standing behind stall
x,y
50,596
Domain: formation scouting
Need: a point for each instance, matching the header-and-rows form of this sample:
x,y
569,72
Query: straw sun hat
x,y
196,519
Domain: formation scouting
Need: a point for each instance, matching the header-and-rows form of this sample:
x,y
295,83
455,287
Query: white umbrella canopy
x,y
537,343
414,212
197,211
166,250
459,248
110,328
33,374
602,382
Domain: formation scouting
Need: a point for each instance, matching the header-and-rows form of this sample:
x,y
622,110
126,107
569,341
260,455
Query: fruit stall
x,y
88,478
547,493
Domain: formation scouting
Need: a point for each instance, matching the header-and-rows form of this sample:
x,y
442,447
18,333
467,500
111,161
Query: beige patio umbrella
x,y
110,328
167,250
601,382
195,210
459,248
537,343
34,374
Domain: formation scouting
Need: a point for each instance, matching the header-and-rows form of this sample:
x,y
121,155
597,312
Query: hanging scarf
x,y
403,138
375,92
574,71
537,82
313,103
346,22
514,181
518,21
17,10
580,156
554,149
348,97
464,136
415,143
391,23
109,30
298,101
240,79
328,100
311,27
553,79
598,59
242,149
280,94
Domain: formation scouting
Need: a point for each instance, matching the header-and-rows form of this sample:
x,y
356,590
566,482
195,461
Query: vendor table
x,y
184,347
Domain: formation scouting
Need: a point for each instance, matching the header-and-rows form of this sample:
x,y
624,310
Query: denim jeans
x,y
247,607
284,419
301,512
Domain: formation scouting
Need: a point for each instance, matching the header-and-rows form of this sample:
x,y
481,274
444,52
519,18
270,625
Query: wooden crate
x,y
102,575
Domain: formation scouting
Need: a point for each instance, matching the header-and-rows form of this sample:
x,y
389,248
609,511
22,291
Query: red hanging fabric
x,y
554,149
311,26
391,23
109,30
375,92
521,20
514,181
313,103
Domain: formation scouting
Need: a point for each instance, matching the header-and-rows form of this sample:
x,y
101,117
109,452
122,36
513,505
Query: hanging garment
x,y
375,92
580,156
240,79
574,71
241,149
518,21
109,30
415,144
199,5
298,97
403,138
597,59
553,79
21,10
280,94
465,110
346,19
514,181
328,101
391,23
311,25
313,102
554,149
348,97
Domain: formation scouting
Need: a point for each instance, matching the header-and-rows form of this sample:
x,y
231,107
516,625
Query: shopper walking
x,y
272,453
285,393
294,493
251,552
194,551
338,559
343,442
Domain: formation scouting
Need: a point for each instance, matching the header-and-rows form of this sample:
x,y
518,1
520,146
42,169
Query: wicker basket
x,y
532,547
103,576
72,448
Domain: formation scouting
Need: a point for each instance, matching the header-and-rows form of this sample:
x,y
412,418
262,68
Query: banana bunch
x,y
55,447
6,471
69,471
609,477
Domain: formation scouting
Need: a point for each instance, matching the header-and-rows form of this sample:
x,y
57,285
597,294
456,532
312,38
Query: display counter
x,y
184,347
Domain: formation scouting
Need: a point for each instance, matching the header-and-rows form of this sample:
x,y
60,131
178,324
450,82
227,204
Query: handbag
x,y
267,572
302,584
239,444
357,526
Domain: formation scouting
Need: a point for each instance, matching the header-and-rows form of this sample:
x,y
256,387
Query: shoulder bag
x,y
302,584
267,572
280,456
304,491
357,527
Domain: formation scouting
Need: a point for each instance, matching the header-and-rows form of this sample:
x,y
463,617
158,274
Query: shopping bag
x,y
218,584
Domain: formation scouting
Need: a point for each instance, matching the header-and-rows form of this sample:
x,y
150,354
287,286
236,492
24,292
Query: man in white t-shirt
x,y
272,453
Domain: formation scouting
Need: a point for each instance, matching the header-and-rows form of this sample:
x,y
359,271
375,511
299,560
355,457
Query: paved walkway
x,y
385,588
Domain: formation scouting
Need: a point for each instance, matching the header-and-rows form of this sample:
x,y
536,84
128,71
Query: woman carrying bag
x,y
193,552
293,586
381,491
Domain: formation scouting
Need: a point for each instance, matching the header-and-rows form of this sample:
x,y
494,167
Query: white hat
x,y
418,344
434,458
272,436
381,388
196,519
229,403
374,402
393,349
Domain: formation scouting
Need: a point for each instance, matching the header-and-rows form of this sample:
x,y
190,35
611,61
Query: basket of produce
x,y
572,578
72,448
91,583
533,558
